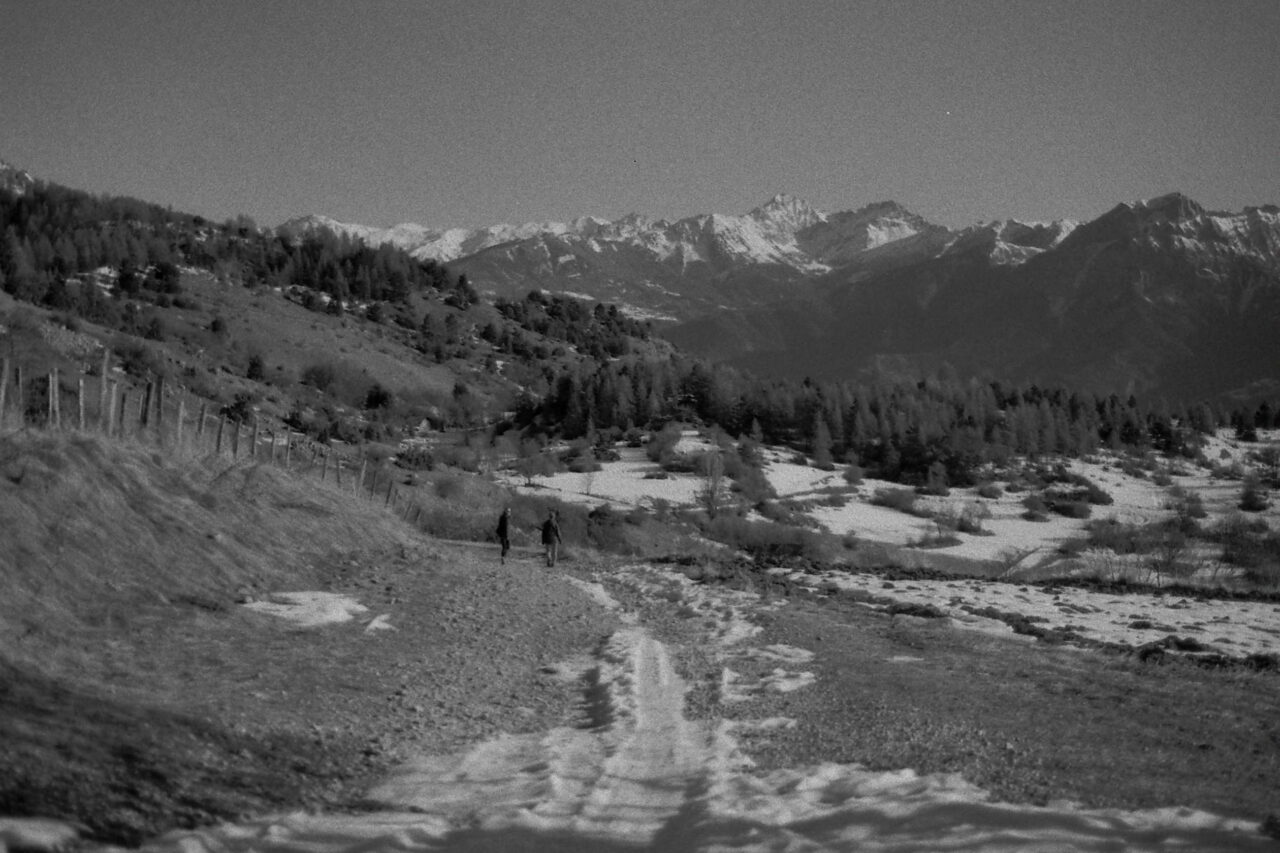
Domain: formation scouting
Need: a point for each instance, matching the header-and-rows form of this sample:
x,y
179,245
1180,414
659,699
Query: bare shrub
x,y
766,540
903,500
1252,496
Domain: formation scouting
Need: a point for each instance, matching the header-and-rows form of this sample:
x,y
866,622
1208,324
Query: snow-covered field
x,y
1020,548
633,481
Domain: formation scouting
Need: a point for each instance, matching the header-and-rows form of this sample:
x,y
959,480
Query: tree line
x,y
897,430
52,238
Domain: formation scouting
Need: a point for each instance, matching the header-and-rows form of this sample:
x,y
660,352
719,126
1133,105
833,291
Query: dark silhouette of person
x,y
551,537
504,532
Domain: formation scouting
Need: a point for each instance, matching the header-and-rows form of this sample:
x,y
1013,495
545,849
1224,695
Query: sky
x,y
477,112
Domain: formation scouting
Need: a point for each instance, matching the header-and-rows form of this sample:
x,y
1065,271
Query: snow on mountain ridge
x,y
780,231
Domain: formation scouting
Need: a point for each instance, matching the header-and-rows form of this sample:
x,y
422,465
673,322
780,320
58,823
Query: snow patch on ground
x,y
1233,628
311,609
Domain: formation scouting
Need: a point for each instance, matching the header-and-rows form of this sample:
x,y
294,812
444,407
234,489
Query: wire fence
x,y
170,418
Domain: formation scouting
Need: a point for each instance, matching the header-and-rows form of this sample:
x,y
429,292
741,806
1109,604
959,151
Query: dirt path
x,y
635,772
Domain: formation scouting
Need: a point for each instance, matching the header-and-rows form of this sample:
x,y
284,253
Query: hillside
x,y
208,647
258,604
1157,297
335,339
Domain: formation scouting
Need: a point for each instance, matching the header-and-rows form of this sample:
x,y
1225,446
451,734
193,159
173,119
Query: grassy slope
x,y
134,695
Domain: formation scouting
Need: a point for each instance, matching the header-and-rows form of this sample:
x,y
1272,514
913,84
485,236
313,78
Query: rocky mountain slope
x,y
657,268
1158,296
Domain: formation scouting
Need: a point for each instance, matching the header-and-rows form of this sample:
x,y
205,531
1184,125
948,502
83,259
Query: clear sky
x,y
477,112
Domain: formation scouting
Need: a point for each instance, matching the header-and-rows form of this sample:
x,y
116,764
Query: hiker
x,y
551,537
504,532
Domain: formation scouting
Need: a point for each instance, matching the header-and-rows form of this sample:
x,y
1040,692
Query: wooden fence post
x,y
182,416
337,471
288,446
364,464
204,407
4,388
391,487
111,408
160,410
18,396
104,420
324,468
235,439
80,400
122,427
253,447
144,408
51,403
57,398
222,425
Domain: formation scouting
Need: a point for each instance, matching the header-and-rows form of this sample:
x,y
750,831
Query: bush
x,y
765,540
903,500
1071,509
941,539
1113,535
319,376
584,465
1036,508
1248,543
661,444
990,491
378,397
416,457
606,531
748,480
1187,507
1252,496
853,475
464,458
257,370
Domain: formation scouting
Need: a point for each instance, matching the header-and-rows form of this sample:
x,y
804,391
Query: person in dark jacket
x,y
551,537
504,532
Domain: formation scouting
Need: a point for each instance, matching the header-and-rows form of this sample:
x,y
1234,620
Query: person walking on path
x,y
504,532
551,537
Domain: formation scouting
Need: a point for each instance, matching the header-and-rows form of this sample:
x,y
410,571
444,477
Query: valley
x,y
877,610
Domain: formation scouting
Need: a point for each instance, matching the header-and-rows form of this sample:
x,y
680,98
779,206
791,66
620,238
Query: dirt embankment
x,y
137,696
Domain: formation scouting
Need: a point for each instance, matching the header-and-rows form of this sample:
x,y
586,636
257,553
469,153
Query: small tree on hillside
x,y
821,447
533,462
1252,497
712,494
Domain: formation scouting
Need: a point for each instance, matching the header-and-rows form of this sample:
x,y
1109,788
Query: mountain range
x,y
1157,297
666,270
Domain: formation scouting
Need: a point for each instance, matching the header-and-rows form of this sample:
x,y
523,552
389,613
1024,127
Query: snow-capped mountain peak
x,y
786,231
15,180
1008,242
786,213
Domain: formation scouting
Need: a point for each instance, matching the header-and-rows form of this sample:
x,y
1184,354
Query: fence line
x,y
36,403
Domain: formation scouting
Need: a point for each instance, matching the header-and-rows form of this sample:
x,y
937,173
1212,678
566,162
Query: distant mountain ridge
x,y
669,269
1157,296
